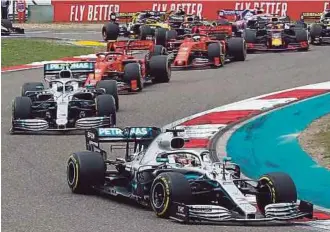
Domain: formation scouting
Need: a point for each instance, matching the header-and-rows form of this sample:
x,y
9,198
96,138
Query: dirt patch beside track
x,y
315,140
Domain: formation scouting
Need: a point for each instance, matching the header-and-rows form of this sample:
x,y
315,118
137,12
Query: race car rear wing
x,y
231,15
77,68
311,17
130,45
221,29
128,16
137,135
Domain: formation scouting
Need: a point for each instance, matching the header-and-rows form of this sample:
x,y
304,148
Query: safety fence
x,y
99,10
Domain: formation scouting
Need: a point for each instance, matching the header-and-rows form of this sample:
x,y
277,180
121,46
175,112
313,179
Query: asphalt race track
x,y
35,195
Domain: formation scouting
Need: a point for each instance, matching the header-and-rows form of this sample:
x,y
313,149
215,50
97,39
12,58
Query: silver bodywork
x,y
222,173
63,91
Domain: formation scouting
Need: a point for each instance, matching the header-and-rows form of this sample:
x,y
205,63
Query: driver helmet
x,y
180,11
113,16
189,19
248,15
186,161
196,37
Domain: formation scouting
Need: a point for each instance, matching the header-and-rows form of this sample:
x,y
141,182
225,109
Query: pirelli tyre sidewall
x,y
273,188
168,188
85,170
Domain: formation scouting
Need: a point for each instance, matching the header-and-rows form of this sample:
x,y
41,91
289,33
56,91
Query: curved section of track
x,y
35,196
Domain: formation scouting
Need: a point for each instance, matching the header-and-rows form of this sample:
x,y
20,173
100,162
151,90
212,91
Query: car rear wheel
x,y
106,107
160,69
145,31
158,50
110,31
237,49
302,36
250,36
160,36
214,50
85,170
132,72
315,32
273,188
110,87
167,188
31,86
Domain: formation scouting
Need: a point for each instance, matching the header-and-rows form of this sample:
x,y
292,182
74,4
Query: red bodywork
x,y
188,46
112,62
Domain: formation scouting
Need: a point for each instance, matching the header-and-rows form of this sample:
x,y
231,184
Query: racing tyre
x,y
302,36
110,87
275,187
106,106
160,69
85,170
31,86
237,49
6,23
160,36
214,51
145,31
110,31
315,32
171,34
132,71
167,188
250,36
22,108
158,50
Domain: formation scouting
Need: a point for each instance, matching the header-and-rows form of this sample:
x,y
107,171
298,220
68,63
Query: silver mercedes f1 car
x,y
66,104
179,183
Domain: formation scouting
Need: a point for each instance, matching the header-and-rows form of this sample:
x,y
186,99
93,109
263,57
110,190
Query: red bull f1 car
x,y
276,36
178,183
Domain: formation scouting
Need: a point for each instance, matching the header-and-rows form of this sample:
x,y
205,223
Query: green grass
x,y
24,51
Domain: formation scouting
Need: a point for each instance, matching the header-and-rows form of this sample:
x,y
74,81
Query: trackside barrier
x,y
99,11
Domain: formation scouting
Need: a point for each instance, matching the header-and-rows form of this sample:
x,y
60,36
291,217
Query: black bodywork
x,y
275,36
8,29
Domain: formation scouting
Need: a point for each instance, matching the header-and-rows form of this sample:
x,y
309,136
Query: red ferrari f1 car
x,y
196,50
130,73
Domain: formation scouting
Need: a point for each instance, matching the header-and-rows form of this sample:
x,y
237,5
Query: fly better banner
x,y
99,11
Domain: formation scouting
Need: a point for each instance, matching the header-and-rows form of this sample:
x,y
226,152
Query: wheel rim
x,y
158,195
71,170
265,198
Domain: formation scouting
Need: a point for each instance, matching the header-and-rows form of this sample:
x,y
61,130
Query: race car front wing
x,y
217,214
289,47
43,125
